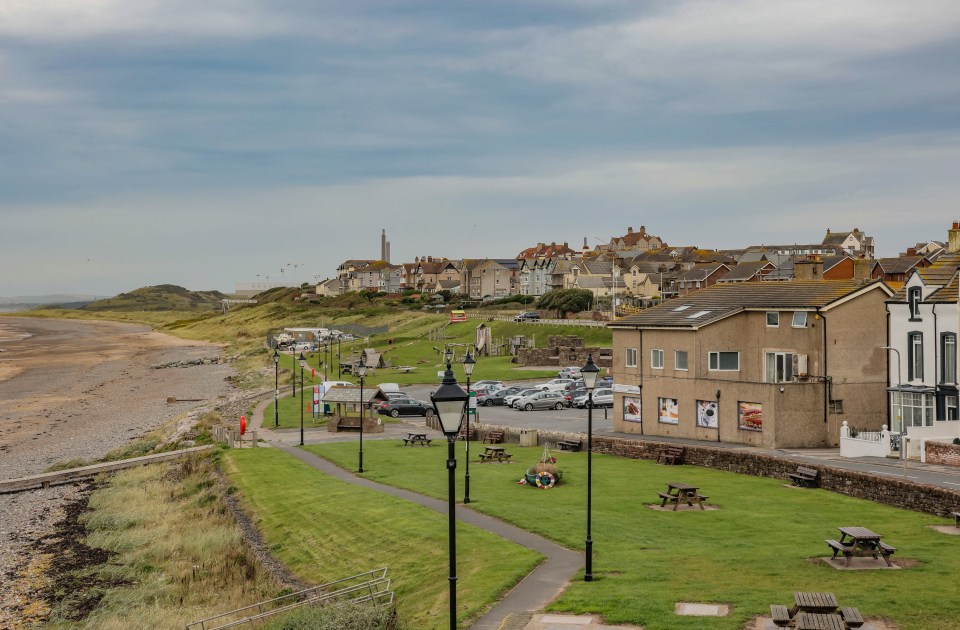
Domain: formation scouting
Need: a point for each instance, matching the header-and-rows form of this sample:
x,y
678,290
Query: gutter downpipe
x,y
641,363
936,366
826,374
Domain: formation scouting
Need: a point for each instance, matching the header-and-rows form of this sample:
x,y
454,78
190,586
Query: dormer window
x,y
913,299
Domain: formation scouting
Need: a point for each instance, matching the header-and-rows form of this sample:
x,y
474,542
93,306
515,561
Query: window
x,y
682,307
631,357
773,319
915,356
698,314
724,361
948,358
836,406
779,367
913,298
680,360
950,406
656,359
915,410
800,319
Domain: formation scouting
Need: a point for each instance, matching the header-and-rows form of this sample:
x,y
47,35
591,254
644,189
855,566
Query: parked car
x,y
303,345
396,407
541,400
555,385
527,316
512,399
602,397
569,372
572,394
498,397
480,384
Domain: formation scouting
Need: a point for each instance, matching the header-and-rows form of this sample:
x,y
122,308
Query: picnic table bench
x,y
804,477
780,614
680,492
852,617
494,437
570,445
815,611
670,455
413,439
861,542
494,453
820,621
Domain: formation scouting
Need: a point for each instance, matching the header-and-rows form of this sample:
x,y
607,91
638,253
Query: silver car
x,y
510,401
602,397
542,400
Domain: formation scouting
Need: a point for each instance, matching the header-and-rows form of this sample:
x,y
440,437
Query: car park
x,y
510,400
541,400
555,385
396,407
602,397
527,316
569,372
498,397
480,384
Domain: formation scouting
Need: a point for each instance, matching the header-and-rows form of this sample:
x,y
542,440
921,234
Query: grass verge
x,y
754,551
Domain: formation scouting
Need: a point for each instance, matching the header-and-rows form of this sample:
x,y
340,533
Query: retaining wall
x,y
943,453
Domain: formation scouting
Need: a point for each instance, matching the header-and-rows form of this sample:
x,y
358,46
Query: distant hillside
x,y
164,297
59,300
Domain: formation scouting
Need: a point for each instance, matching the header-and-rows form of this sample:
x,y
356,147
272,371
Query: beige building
x,y
777,365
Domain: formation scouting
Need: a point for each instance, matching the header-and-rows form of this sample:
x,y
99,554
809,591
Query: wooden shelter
x,y
348,409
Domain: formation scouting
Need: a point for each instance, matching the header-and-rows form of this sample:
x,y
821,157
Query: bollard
x,y
253,438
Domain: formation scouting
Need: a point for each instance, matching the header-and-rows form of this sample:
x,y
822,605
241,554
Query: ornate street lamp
x,y
468,364
293,369
303,364
276,387
362,373
450,402
589,372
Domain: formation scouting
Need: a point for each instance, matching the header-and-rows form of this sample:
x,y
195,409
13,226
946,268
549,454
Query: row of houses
x,y
785,364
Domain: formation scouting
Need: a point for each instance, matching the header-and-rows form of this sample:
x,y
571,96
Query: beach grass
x,y
761,545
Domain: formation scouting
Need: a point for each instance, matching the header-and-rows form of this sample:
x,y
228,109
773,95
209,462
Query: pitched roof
x,y
901,264
592,282
343,394
939,274
744,271
542,250
720,301
700,272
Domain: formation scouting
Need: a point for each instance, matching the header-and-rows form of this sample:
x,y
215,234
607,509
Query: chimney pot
x,y
629,230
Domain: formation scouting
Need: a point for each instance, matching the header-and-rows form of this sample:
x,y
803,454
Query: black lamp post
x,y
293,369
362,373
303,363
276,387
450,402
468,364
589,372
339,359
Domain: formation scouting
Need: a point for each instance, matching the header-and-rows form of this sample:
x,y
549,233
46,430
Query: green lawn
x,y
324,529
752,552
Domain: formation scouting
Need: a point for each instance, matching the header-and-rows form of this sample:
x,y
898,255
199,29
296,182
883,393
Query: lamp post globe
x,y
589,372
362,373
450,402
276,387
469,363
303,364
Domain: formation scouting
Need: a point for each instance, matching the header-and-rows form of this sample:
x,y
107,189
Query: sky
x,y
209,143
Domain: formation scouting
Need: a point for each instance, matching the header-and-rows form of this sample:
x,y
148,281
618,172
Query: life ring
x,y
545,480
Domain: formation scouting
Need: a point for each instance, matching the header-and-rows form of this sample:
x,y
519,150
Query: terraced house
x,y
772,364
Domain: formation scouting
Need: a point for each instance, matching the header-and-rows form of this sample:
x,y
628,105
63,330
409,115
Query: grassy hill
x,y
164,297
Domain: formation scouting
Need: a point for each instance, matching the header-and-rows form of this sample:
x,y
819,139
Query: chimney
x,y
911,251
383,244
629,230
953,239
643,229
808,270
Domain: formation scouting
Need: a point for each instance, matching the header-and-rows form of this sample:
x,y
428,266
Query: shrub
x,y
956,440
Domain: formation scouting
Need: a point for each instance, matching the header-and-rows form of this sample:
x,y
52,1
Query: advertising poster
x,y
751,416
631,409
668,411
707,414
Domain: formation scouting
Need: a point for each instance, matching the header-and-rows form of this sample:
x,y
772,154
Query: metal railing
x,y
372,587
586,323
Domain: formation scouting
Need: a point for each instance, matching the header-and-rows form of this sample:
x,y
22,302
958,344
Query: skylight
x,y
682,307
698,314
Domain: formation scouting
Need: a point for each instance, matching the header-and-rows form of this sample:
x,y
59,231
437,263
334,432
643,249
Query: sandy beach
x,y
77,390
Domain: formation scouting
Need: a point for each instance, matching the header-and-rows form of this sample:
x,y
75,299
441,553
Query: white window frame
x,y
630,358
775,318
676,360
655,354
786,359
948,358
914,297
802,316
951,409
915,356
714,365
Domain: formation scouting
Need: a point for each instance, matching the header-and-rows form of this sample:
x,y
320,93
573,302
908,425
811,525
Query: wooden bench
x,y
956,516
494,437
569,445
500,457
780,614
416,440
670,455
852,617
838,547
804,477
681,498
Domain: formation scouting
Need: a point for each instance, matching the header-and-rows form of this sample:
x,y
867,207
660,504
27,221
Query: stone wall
x,y
887,490
943,453
564,350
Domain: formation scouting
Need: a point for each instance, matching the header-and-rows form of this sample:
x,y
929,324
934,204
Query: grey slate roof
x,y
341,394
704,307
744,271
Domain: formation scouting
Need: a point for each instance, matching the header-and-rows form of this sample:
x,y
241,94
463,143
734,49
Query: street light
x,y
362,373
303,363
903,428
450,402
339,359
468,364
448,355
276,387
589,372
293,369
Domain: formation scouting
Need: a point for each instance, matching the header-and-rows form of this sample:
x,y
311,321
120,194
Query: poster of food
x,y
631,409
707,414
668,411
751,416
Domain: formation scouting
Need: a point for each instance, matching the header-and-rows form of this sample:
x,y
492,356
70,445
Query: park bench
x,y
956,516
670,455
494,437
569,445
780,614
804,477
852,617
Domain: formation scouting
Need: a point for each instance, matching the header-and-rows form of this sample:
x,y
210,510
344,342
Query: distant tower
x,y
384,246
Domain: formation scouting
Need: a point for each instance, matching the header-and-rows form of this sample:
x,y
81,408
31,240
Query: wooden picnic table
x,y
820,621
860,541
491,453
814,603
413,439
679,492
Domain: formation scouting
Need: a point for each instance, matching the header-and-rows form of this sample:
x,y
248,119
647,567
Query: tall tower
x,y
383,245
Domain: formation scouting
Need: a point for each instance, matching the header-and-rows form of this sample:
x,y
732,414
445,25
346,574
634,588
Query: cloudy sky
x,y
209,143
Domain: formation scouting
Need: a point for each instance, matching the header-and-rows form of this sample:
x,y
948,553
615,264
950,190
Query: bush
x,y
342,617
956,440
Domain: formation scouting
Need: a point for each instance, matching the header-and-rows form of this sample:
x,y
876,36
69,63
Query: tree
x,y
566,301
